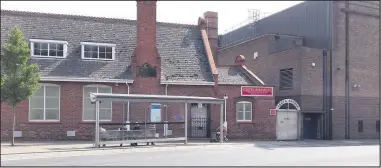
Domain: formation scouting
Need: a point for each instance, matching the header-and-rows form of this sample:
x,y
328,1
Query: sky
x,y
231,14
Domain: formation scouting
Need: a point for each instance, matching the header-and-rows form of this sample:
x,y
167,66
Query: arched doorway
x,y
288,120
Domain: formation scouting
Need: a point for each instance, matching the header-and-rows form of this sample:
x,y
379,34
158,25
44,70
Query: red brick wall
x,y
70,116
262,125
212,31
146,33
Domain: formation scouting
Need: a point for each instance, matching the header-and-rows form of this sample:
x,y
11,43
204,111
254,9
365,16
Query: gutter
x,y
190,83
93,80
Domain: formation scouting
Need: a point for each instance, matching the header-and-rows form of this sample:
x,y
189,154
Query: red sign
x,y
257,91
272,112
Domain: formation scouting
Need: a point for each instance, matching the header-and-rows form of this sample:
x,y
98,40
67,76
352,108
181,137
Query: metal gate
x,y
199,121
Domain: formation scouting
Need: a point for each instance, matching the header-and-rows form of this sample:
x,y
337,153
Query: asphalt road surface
x,y
262,154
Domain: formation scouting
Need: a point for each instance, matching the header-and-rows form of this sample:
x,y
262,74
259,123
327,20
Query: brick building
x,y
303,52
78,55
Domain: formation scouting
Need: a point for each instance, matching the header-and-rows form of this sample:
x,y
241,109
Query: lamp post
x,y
225,122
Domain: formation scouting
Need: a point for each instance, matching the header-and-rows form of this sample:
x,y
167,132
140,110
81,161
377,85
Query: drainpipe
x,y
128,108
324,131
166,112
330,109
347,116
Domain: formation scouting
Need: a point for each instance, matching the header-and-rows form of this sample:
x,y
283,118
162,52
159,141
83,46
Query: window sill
x,y
44,122
93,122
103,60
46,57
245,122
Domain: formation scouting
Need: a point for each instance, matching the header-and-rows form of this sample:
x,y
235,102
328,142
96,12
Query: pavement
x,y
239,153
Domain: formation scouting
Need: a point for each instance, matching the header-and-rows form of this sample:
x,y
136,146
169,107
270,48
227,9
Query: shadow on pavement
x,y
109,147
315,143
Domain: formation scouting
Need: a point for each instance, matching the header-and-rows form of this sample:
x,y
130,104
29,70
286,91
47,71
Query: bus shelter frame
x,y
139,98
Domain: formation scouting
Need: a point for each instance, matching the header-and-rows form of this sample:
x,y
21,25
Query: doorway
x,y
288,120
287,125
310,125
199,121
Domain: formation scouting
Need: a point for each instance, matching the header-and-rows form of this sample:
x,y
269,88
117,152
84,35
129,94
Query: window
x,y
105,107
360,126
244,111
285,79
44,105
378,125
100,51
48,48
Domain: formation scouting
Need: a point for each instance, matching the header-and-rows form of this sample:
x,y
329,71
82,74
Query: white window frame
x,y
83,101
98,45
32,41
244,111
59,104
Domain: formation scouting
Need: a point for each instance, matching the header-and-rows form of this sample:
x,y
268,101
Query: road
x,y
248,154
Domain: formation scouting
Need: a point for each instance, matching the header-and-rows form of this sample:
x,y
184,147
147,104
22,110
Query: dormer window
x,y
99,51
48,48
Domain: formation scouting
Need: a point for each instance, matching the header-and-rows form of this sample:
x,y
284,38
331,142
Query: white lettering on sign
x,y
288,101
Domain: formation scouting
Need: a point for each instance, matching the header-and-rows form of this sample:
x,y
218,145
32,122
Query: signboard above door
x,y
257,91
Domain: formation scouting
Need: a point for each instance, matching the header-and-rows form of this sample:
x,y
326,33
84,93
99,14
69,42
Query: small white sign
x,y
17,134
70,133
255,55
169,132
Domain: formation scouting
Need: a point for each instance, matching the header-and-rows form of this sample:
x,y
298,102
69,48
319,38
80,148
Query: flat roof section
x,y
154,98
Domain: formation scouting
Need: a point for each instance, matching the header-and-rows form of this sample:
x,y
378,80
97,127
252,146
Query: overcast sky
x,y
231,13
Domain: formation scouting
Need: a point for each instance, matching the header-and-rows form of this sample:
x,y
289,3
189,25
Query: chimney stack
x,y
146,32
211,19
240,61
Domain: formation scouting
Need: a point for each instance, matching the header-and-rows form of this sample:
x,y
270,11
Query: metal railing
x,y
141,132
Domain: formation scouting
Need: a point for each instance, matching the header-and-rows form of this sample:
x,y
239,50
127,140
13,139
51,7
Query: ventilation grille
x,y
286,79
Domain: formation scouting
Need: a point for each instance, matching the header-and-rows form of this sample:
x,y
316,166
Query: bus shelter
x,y
96,98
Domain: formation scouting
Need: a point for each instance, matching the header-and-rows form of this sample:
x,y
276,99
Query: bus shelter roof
x,y
153,98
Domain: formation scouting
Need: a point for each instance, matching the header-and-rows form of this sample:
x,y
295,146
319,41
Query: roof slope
x,y
183,56
233,75
75,30
180,46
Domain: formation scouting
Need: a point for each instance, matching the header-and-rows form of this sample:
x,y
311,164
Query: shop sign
x,y
257,91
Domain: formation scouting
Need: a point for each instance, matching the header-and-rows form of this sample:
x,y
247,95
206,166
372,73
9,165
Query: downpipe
x,y
128,108
325,94
166,112
347,110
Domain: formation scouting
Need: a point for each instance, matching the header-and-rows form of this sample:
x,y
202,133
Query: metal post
x,y
225,122
221,124
97,124
225,109
186,123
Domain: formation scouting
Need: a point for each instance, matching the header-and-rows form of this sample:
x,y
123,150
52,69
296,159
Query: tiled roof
x,y
233,75
183,56
180,46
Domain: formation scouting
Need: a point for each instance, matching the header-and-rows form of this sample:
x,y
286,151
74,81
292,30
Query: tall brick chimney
x,y
211,19
146,33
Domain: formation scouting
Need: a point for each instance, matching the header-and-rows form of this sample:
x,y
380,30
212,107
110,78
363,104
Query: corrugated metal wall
x,y
310,20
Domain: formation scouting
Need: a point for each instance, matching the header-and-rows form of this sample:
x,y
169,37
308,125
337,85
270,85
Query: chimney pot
x,y
240,60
